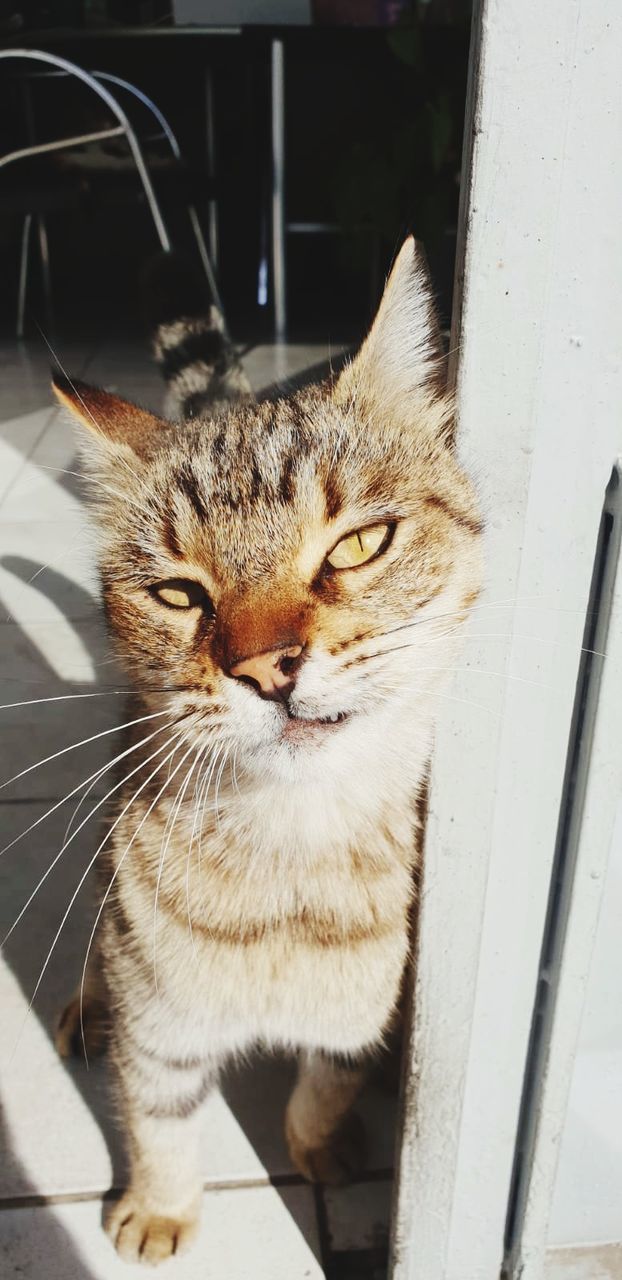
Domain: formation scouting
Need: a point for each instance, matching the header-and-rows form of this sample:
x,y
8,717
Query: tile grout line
x,y
53,413
277,1180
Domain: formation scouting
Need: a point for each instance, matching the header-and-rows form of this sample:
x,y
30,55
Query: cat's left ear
x,y
113,421
401,362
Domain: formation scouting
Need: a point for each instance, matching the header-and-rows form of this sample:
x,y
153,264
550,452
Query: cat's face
x,y
291,573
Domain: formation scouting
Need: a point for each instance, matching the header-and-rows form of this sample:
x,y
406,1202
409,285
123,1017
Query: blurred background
x,y
373,107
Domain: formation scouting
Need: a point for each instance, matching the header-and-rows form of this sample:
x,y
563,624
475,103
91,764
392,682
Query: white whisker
x,y
437,693
189,855
71,793
74,747
206,786
63,697
116,871
89,479
73,898
104,769
89,815
217,786
166,839
234,761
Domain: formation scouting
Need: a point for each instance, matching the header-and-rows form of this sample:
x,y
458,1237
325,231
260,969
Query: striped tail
x,y
190,343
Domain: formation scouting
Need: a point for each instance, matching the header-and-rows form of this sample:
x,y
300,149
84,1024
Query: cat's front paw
x,y
82,1032
334,1161
141,1235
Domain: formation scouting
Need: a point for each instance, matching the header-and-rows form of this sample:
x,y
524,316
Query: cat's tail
x,y
190,342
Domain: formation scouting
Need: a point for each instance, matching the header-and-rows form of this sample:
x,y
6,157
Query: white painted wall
x,y
539,389
587,1204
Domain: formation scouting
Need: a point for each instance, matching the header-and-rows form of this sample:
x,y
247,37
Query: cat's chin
x,y
297,748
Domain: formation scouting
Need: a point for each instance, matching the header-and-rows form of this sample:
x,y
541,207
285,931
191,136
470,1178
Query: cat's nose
x,y
273,672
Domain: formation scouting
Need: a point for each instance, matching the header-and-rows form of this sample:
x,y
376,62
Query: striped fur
x,y
199,364
258,882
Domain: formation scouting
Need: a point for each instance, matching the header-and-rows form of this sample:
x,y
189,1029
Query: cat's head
x,y
292,574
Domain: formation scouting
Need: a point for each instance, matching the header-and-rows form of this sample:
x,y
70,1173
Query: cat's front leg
x,y
326,1139
162,1099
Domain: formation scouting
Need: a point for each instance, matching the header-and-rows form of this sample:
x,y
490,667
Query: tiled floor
x,y
60,1153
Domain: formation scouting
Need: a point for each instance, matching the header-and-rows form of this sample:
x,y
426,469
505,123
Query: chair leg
x,y
23,274
279,265
143,173
212,206
44,253
205,258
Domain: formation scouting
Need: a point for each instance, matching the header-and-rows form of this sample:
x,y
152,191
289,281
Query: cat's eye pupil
x,y
182,593
360,546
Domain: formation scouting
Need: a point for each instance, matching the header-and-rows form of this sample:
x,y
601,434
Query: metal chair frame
x,y
124,129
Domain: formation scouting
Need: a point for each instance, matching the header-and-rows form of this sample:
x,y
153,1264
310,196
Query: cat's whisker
x,y
87,792
508,603
234,761
153,715
500,635
77,788
166,838
89,479
89,815
67,549
64,697
419,644
479,671
68,909
217,786
189,854
467,635
82,401
207,774
220,761
451,697
205,792
108,890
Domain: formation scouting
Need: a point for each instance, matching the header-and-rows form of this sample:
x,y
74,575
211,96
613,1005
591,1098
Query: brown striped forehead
x,y
267,454
262,454
246,489
266,486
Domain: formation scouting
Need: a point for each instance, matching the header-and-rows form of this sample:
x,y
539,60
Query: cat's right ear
x,y
116,424
398,374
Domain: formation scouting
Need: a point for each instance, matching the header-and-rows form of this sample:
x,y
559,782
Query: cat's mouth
x,y
300,727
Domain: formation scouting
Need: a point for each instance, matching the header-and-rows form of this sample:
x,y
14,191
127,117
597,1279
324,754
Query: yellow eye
x,y
181,593
359,547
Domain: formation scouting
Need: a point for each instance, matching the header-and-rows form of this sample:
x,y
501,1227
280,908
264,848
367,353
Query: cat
x,y
286,583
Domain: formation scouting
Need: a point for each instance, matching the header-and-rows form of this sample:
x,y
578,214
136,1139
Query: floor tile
x,y
65,744
47,569
275,363
25,372
254,1233
48,674
48,485
18,437
128,370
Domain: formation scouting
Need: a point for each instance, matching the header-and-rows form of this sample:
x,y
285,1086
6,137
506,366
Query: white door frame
x,y
538,374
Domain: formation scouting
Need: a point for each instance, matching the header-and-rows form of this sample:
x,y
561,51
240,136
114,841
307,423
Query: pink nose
x,y
271,671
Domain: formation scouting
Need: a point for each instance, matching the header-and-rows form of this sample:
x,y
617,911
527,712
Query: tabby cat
x,y
285,582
